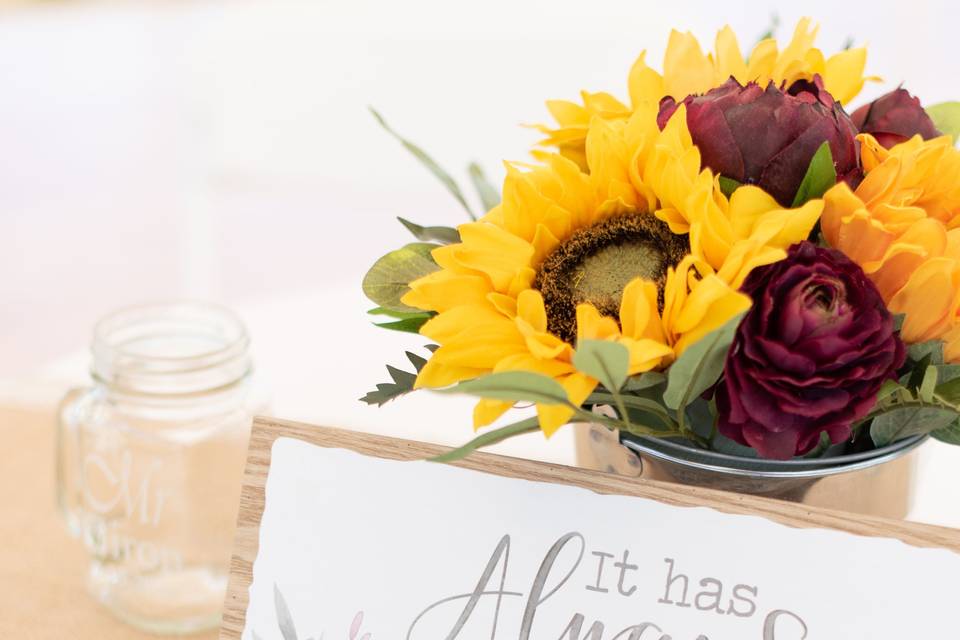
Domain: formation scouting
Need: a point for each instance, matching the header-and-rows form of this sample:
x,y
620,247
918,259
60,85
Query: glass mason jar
x,y
150,460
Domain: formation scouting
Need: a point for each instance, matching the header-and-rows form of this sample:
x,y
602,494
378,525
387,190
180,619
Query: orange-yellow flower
x,y
902,226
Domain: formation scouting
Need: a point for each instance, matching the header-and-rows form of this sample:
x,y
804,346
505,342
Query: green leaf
x,y
699,367
822,446
429,163
946,116
909,421
729,185
950,434
407,325
489,438
915,379
949,390
604,360
932,349
389,278
514,386
820,176
402,382
405,321
443,235
644,381
489,196
898,319
928,384
947,372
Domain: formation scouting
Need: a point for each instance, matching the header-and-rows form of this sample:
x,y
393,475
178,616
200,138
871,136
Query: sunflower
x,y
642,248
687,70
902,226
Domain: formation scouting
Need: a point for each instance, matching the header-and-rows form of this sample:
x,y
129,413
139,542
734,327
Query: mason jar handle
x,y
69,461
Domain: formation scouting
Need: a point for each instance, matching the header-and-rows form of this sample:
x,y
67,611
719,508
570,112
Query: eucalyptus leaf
x,y
644,381
950,434
729,185
389,278
513,386
489,196
820,176
429,163
949,390
604,360
946,117
700,366
907,421
489,438
284,619
443,235
932,349
723,444
947,372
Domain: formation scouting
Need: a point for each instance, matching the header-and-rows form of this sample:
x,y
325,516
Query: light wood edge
x,y
266,430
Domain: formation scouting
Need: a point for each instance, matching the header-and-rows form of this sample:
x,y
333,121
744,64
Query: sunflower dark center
x,y
595,264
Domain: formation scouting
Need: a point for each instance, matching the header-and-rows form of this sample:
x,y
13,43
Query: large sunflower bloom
x,y
902,226
643,248
687,70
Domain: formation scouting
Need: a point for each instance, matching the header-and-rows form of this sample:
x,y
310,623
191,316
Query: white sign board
x,y
358,547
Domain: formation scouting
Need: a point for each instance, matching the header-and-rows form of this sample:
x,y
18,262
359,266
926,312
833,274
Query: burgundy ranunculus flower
x,y
809,356
894,118
768,136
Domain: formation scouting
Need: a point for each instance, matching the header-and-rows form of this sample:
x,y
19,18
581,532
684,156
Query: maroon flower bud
x,y
894,118
810,355
768,136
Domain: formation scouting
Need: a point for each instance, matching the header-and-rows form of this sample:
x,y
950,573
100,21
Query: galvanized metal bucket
x,y
877,482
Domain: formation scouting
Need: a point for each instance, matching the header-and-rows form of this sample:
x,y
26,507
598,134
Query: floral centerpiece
x,y
732,258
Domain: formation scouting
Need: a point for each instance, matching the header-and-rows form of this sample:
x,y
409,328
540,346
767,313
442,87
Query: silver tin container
x,y
878,482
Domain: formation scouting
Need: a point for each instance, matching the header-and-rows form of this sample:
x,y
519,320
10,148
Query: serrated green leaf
x,y
915,379
929,384
513,386
604,360
489,438
729,185
429,163
402,382
389,278
443,235
950,434
904,422
700,366
946,117
489,196
820,176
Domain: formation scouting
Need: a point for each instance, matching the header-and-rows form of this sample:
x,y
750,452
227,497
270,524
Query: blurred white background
x,y
223,150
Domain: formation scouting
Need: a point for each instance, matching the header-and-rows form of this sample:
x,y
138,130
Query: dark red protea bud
x,y
767,137
894,118
810,355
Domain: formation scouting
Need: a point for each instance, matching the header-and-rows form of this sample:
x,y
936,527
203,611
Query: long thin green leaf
x,y
443,235
284,619
429,163
513,386
489,438
489,196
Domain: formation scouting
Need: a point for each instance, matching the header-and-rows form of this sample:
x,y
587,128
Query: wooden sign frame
x,y
266,430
